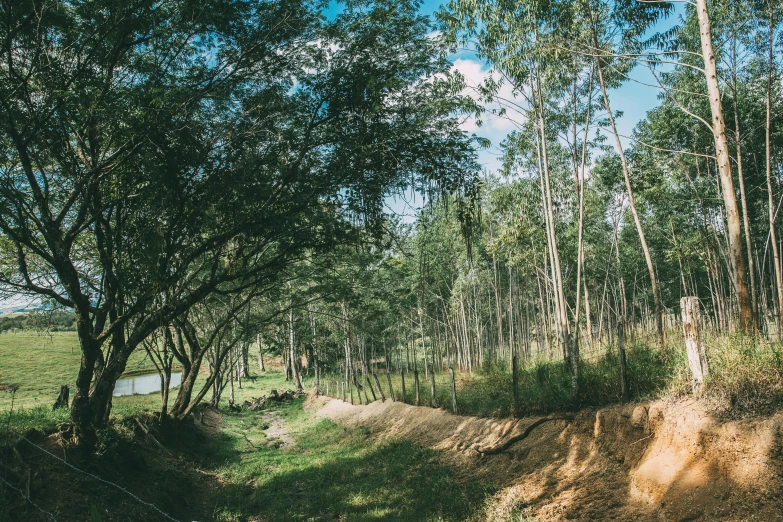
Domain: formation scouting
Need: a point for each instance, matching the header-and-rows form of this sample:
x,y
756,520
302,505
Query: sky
x,y
633,99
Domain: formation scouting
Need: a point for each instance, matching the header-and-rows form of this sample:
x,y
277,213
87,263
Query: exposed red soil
x,y
661,461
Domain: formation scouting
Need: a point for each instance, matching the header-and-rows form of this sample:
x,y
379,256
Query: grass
x,y
39,363
746,375
333,473
339,473
545,384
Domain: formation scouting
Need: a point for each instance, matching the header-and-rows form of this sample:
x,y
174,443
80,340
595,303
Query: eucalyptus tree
x,y
512,38
616,30
773,12
747,321
156,153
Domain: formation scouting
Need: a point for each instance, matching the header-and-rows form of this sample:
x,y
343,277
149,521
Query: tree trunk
x,y
691,325
546,193
768,139
632,203
743,196
622,360
245,347
434,402
292,352
416,384
453,390
261,366
402,378
746,320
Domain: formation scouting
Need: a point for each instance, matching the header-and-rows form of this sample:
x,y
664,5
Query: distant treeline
x,y
58,321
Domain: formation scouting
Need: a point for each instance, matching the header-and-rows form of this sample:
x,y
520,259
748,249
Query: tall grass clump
x,y
746,374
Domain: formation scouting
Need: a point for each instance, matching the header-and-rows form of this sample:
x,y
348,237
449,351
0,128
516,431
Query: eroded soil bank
x,y
661,461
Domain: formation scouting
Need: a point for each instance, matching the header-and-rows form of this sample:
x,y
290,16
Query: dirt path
x,y
658,461
277,432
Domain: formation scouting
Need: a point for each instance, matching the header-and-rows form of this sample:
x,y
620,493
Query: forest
x,y
214,192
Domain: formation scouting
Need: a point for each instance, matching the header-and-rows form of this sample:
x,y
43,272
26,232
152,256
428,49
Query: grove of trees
x,y
206,181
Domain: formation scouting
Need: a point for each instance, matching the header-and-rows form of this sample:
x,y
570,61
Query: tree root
x,y
510,442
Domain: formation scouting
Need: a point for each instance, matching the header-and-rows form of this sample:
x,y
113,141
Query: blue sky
x,y
632,98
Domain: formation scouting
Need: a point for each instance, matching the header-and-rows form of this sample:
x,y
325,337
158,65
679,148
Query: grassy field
x,y
39,363
333,473
330,472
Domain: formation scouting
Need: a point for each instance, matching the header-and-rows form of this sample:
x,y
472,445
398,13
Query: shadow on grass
x,y
336,473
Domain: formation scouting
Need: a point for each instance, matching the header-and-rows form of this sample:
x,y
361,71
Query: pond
x,y
143,384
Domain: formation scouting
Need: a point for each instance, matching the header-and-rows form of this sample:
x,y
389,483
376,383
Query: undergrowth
x,y
746,376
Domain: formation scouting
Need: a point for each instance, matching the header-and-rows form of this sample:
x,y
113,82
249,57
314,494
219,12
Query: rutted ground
x,y
659,461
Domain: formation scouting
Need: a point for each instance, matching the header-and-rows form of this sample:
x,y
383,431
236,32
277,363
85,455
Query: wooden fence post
x,y
416,382
378,384
453,390
694,345
515,383
622,359
391,390
372,390
62,398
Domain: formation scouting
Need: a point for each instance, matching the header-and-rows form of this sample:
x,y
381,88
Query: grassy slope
x,y
333,473
40,362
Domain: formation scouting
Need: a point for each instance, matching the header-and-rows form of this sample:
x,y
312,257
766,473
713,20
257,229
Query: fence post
x,y
378,384
515,383
453,390
691,326
622,359
391,390
416,382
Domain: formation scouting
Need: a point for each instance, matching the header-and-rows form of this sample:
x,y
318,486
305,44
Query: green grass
x,y
746,374
545,385
339,473
333,473
39,363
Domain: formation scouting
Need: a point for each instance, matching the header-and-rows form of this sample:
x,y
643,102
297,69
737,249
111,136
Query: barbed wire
x,y
27,499
148,504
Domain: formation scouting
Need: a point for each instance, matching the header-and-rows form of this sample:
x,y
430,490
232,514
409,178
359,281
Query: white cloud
x,y
494,126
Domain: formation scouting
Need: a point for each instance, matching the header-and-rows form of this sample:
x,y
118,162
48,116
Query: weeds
x,y
746,375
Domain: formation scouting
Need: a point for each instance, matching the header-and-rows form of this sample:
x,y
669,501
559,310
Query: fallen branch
x,y
510,442
148,434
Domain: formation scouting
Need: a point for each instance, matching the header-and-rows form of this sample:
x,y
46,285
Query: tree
x,y
747,322
155,154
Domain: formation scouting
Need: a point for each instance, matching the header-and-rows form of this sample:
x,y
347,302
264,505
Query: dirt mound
x,y
660,461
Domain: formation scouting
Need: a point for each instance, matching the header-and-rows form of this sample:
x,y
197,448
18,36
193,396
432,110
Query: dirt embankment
x,y
659,461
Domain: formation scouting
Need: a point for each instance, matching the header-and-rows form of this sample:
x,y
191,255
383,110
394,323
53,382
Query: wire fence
x,y
95,477
27,499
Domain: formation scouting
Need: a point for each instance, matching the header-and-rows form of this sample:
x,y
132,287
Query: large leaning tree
x,y
154,153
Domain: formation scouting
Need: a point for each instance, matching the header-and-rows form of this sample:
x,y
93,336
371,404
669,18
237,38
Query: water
x,y
144,384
